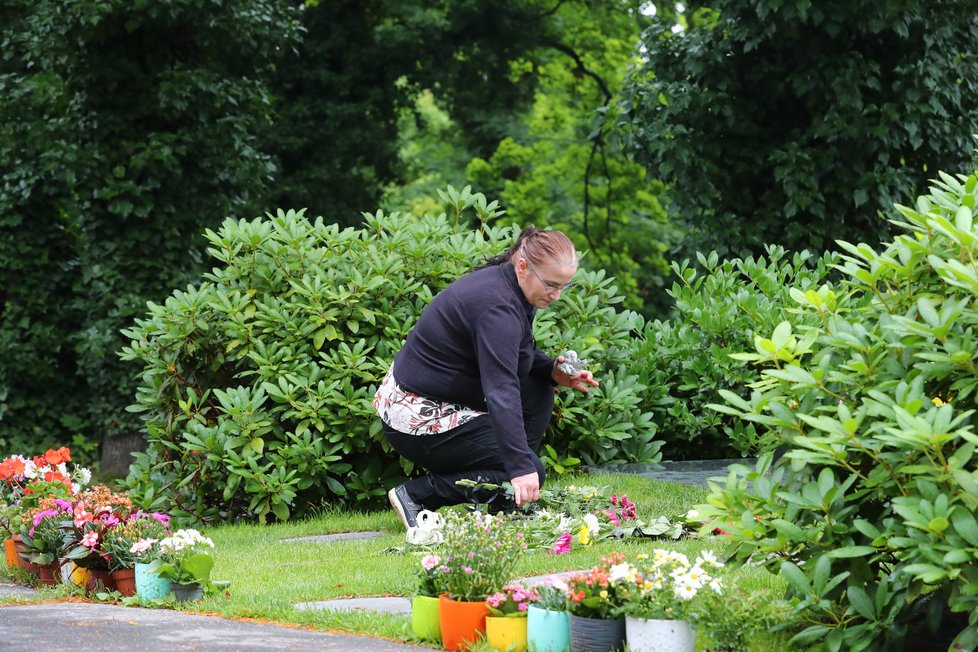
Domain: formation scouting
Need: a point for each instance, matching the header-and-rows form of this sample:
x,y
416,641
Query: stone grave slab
x,y
688,472
331,538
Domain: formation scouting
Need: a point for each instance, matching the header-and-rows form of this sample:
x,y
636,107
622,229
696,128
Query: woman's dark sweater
x,y
471,345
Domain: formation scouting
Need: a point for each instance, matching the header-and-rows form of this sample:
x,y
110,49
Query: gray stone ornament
x,y
572,365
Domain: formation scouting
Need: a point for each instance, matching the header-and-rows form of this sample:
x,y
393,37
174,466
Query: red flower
x,y
58,456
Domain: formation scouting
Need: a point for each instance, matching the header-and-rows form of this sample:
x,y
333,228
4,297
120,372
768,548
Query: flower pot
x,y
21,550
425,622
547,631
461,622
10,552
506,633
99,580
659,635
596,634
78,575
49,574
150,586
125,581
187,592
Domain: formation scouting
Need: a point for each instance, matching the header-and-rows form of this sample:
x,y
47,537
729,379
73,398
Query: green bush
x,y
872,514
256,383
685,360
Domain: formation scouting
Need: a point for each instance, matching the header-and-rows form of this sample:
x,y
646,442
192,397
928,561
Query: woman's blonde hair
x,y
539,248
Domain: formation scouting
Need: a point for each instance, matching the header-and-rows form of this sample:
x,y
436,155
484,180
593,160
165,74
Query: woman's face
x,y
543,284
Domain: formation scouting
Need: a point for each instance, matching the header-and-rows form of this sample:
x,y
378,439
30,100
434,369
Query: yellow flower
x,y
590,495
937,400
603,594
584,536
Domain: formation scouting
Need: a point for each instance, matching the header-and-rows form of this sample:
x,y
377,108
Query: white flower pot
x,y
659,635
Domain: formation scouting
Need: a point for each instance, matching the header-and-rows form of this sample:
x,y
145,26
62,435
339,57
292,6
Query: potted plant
x,y
506,625
43,536
119,543
595,602
186,561
478,555
548,623
24,483
666,595
425,622
95,512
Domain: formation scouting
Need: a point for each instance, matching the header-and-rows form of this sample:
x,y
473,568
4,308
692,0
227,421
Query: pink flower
x,y
430,561
468,570
562,545
90,540
612,516
471,554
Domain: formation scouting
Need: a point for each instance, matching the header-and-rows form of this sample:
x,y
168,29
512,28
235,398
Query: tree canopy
x,y
795,122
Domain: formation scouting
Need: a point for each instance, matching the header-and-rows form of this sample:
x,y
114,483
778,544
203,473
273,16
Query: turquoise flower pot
x,y
150,586
547,631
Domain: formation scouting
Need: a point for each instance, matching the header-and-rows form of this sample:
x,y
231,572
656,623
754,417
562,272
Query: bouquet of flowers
x,y
431,576
512,601
478,554
94,513
602,591
133,540
43,530
185,558
666,585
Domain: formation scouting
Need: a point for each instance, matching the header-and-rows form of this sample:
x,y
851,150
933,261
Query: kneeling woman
x,y
469,396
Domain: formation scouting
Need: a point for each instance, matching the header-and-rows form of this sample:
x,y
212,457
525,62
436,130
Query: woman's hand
x,y
526,488
580,381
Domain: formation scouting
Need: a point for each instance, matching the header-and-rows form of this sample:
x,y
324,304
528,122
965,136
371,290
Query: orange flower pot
x,y
10,552
462,623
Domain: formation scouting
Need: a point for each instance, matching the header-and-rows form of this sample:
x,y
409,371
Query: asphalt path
x,y
92,627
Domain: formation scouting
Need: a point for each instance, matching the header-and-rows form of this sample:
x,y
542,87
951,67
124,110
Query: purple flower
x,y
63,505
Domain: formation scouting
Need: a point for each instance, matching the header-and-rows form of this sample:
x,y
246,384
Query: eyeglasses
x,y
548,287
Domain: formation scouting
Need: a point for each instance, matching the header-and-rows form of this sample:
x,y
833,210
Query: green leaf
x,y
281,511
860,602
846,552
796,578
965,524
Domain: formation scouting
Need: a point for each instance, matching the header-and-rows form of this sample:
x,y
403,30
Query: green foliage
x,y
872,514
685,362
125,128
256,383
796,122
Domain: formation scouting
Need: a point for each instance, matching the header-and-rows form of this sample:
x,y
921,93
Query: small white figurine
x,y
572,364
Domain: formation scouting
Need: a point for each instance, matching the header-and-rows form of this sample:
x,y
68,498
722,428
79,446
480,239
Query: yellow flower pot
x,y
79,575
506,633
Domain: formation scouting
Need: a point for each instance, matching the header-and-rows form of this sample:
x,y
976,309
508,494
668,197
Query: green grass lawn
x,y
269,575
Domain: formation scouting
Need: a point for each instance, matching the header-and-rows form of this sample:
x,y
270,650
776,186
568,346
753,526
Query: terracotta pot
x,y
10,552
125,581
461,622
99,580
49,574
22,553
